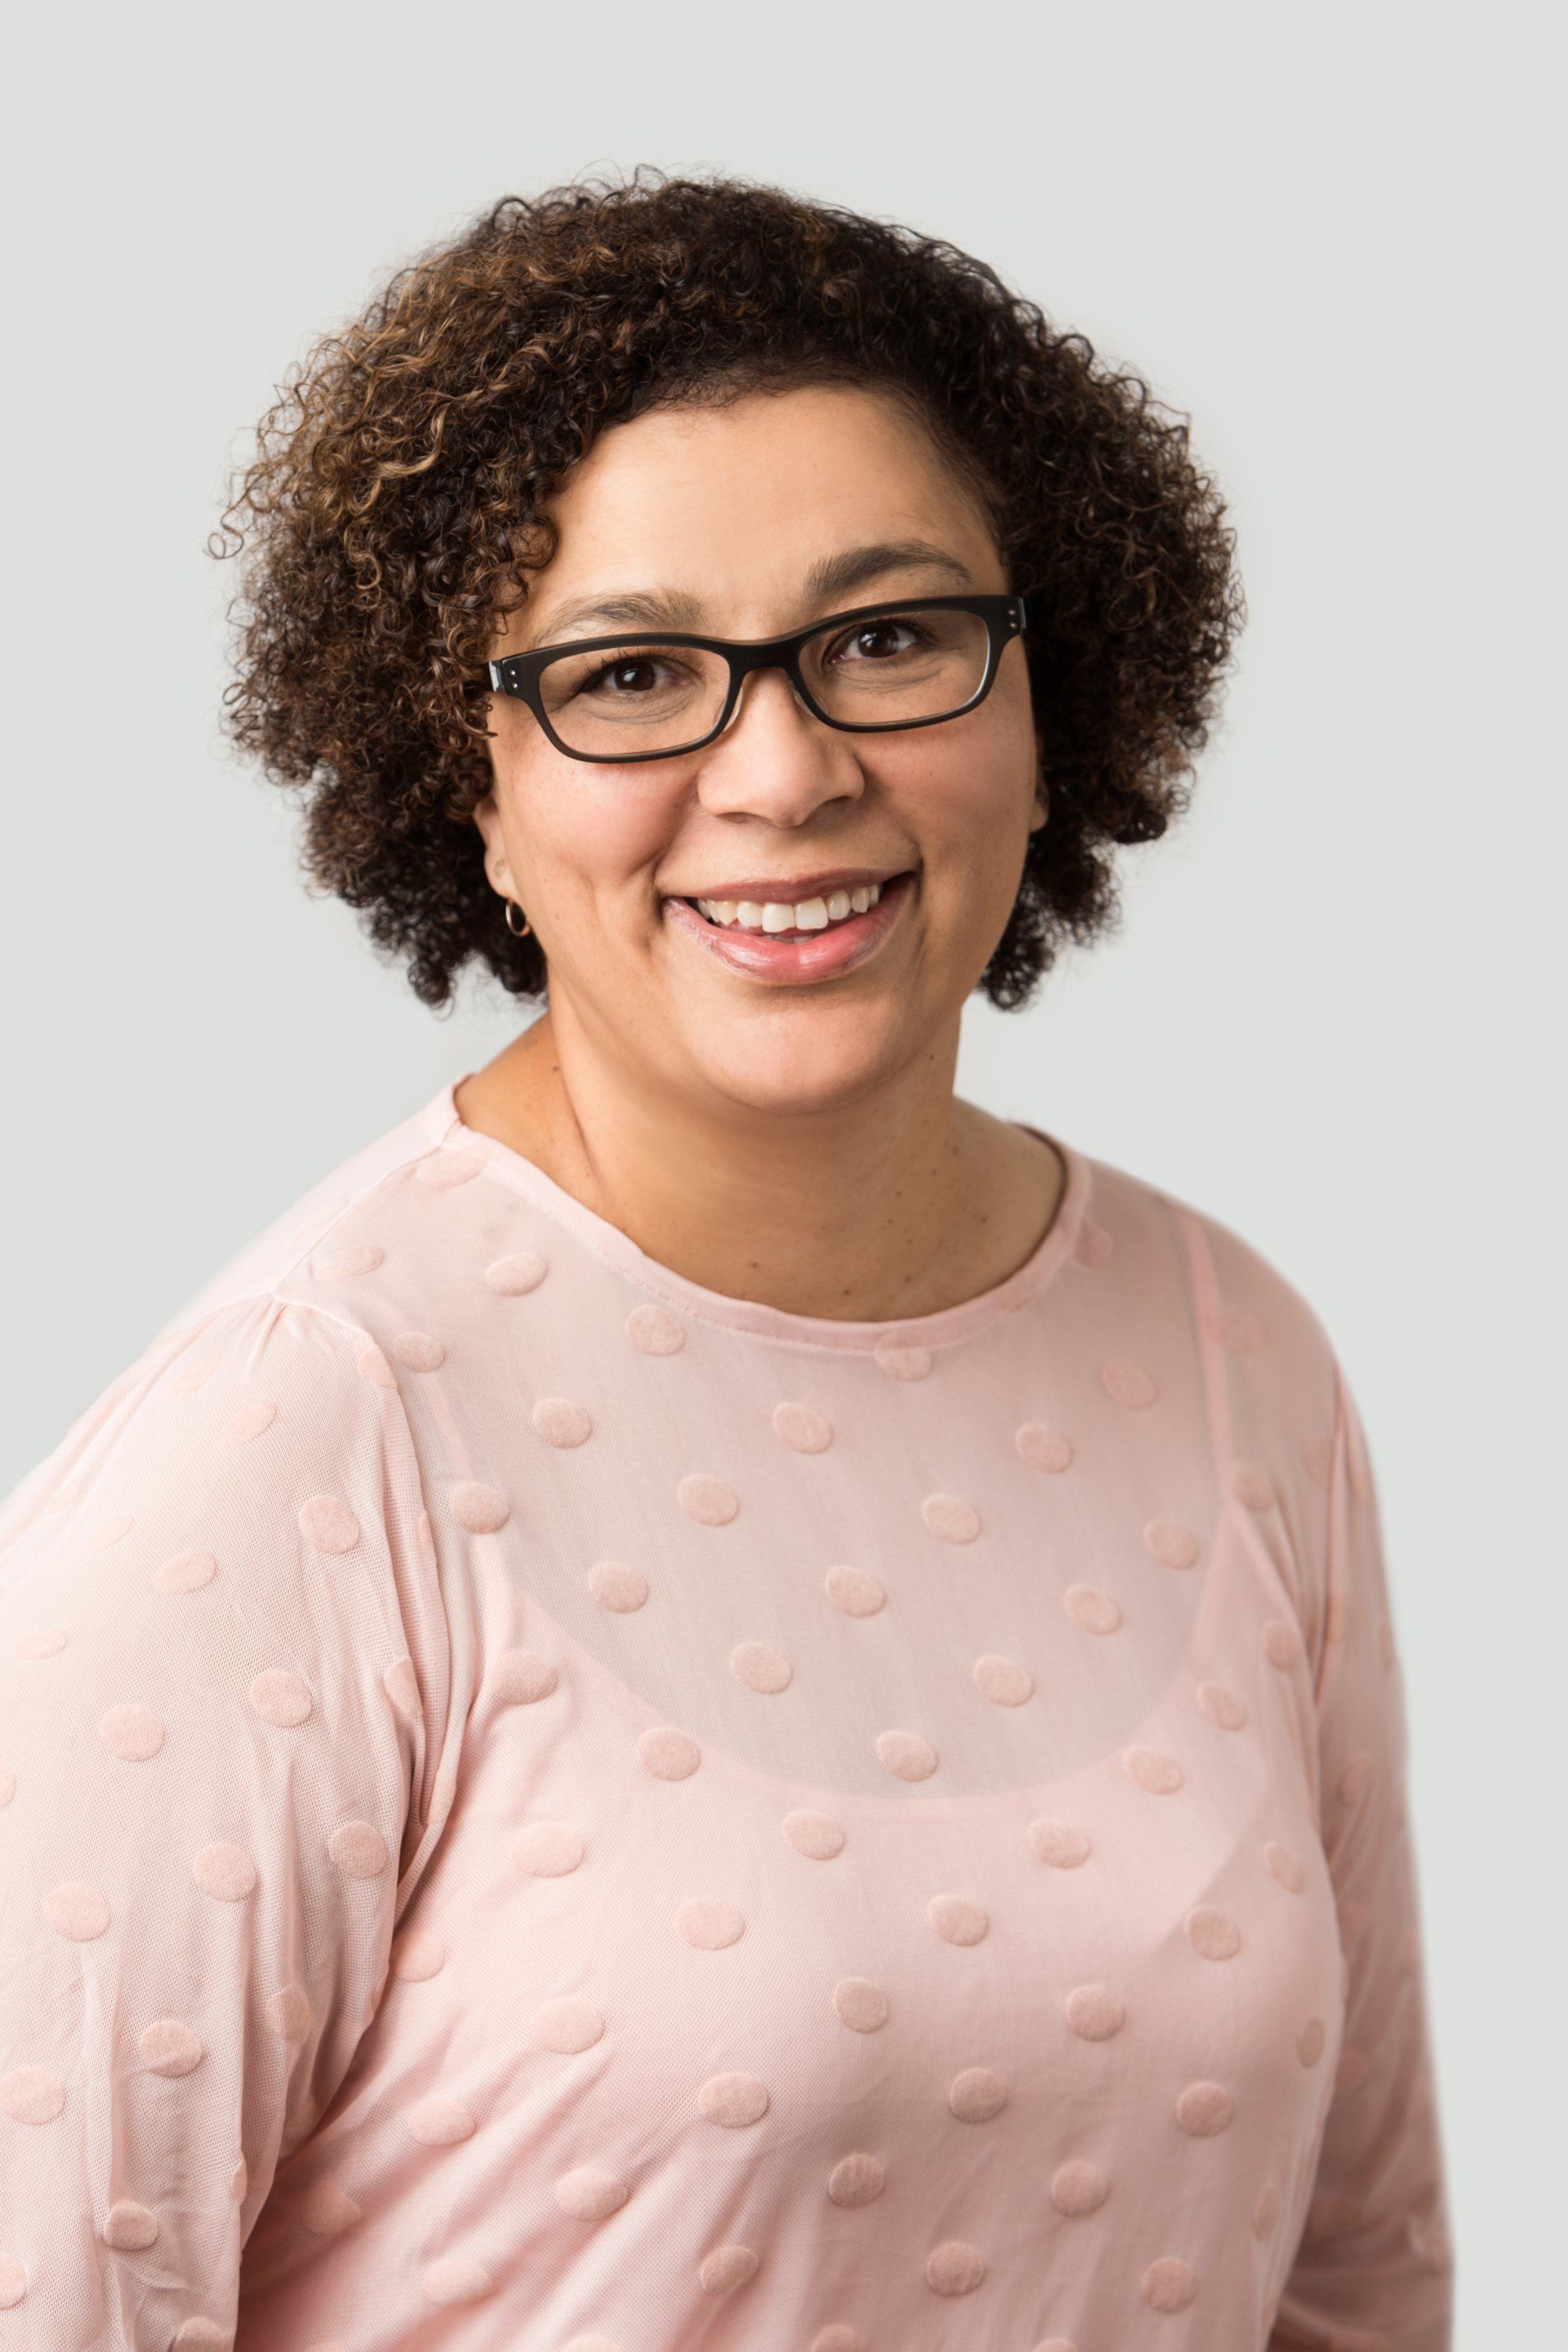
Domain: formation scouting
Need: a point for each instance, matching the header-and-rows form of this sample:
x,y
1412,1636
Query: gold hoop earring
x,y
511,904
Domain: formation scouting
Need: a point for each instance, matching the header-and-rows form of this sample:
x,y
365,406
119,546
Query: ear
x,y
1042,802
487,816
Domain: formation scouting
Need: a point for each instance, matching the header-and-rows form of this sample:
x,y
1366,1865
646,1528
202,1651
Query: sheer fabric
x,y
549,1809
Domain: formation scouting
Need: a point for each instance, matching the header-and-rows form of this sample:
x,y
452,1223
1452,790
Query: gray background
x,y
1321,233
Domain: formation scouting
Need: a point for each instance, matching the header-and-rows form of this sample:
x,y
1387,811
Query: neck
x,y
880,1210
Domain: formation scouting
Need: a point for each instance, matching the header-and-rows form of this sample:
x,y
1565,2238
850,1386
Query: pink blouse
x,y
546,1809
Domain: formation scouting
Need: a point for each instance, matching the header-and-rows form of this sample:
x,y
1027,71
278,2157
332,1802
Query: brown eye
x,y
639,677
633,698
876,640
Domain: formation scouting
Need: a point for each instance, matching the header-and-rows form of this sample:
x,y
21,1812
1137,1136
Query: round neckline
x,y
616,1248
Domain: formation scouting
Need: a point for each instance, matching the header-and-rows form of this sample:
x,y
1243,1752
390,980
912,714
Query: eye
x,y
879,640
629,675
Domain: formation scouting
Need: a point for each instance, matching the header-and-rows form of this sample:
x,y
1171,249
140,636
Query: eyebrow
x,y
830,576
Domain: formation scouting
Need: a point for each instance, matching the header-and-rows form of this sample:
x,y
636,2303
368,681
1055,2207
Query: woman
x,y
713,1698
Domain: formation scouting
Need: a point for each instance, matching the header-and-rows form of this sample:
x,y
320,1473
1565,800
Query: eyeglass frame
x,y
518,675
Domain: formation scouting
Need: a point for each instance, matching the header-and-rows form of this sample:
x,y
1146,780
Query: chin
x,y
801,1064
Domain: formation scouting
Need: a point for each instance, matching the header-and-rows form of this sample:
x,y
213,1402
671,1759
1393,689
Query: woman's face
x,y
716,519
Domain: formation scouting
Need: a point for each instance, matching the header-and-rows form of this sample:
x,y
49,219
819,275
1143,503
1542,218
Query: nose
x,y
774,760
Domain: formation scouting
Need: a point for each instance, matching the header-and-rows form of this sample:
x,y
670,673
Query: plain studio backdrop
x,y
1321,234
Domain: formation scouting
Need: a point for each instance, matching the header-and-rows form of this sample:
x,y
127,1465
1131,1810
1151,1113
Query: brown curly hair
x,y
396,507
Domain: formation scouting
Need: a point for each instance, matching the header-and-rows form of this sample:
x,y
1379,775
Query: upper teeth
x,y
809,915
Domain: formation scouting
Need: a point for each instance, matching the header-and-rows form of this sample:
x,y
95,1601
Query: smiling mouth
x,y
776,918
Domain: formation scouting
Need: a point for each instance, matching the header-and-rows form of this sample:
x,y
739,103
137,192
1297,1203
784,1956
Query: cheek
x,y
965,797
579,836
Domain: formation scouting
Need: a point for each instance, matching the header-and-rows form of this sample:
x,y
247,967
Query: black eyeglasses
x,y
868,671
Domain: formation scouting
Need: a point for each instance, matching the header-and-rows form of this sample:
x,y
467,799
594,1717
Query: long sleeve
x,y
1374,2272
218,1633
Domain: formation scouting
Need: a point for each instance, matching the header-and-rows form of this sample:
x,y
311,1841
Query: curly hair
x,y
396,505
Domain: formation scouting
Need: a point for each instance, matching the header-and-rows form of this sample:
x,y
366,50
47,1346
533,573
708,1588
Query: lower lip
x,y
804,955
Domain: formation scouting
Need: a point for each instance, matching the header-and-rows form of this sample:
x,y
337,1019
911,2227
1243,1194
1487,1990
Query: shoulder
x,y
243,1454
254,1442
1247,1315
321,1220
1240,1343
274,1412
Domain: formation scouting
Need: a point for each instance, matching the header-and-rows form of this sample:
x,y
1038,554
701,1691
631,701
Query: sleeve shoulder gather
x,y
223,1669
1272,1383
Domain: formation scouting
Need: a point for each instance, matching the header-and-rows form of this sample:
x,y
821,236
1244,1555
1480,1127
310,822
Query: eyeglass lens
x,y
890,670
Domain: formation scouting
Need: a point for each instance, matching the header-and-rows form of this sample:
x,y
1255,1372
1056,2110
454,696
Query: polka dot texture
x,y
950,1769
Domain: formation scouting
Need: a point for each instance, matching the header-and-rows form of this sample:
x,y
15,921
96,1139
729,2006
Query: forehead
x,y
735,503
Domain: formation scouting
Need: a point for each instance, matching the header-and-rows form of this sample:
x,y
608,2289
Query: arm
x,y
1373,2273
217,1626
